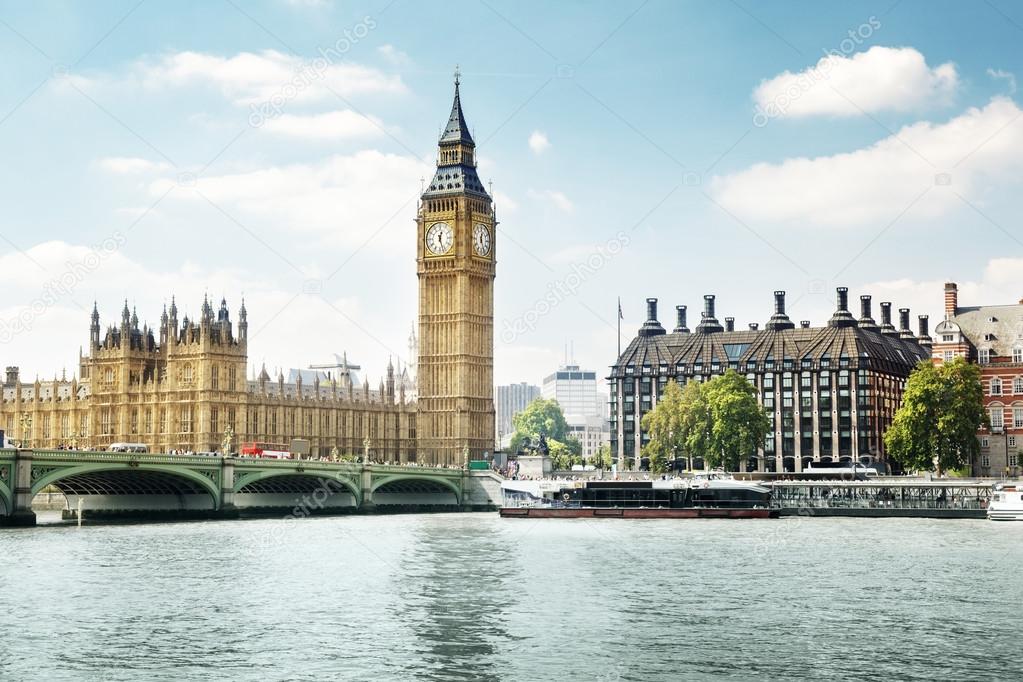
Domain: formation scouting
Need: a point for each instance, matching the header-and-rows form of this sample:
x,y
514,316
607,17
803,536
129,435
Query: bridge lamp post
x,y
365,450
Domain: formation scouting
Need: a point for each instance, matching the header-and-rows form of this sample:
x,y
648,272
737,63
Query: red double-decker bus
x,y
266,450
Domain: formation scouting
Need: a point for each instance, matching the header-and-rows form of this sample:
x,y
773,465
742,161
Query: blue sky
x,y
666,149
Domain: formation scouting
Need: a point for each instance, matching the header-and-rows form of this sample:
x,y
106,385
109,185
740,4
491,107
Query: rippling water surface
x,y
476,597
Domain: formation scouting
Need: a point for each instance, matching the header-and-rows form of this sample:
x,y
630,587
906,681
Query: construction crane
x,y
343,367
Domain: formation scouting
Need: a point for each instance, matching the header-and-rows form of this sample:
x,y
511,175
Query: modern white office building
x,y
585,408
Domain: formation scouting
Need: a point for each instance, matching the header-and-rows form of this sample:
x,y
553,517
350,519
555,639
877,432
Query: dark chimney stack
x,y
651,327
729,324
804,324
709,324
886,319
12,376
754,326
680,320
779,320
904,331
866,320
842,316
923,334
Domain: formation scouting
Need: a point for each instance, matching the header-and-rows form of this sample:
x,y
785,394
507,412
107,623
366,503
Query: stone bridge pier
x,y
21,513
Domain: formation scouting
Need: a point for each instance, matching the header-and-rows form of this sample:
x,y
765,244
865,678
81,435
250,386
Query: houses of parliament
x,y
184,386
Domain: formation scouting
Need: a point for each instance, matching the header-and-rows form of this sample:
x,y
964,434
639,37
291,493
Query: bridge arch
x,y
416,484
111,480
308,490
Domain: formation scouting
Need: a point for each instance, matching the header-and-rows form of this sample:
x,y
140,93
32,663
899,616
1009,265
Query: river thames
x,y
476,597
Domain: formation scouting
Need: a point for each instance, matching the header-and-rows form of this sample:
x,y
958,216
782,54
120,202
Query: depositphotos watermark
x,y
310,72
559,290
75,272
806,81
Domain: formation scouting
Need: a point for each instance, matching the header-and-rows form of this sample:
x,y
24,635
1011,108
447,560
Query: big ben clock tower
x,y
455,254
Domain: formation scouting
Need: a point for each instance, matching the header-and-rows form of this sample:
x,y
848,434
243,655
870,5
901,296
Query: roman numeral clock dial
x,y
481,240
439,239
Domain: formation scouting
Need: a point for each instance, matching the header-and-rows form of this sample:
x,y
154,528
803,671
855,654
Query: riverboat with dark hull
x,y
705,496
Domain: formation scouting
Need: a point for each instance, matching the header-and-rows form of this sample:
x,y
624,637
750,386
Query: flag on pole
x,y
619,321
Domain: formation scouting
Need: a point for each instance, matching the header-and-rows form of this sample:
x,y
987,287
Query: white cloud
x,y
330,125
345,199
978,149
248,78
1007,76
538,142
393,55
124,165
57,323
882,78
555,197
998,284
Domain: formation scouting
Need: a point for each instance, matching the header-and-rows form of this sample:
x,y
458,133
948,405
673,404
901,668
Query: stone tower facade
x,y
456,257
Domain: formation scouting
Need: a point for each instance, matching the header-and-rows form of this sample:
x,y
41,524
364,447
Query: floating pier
x,y
883,497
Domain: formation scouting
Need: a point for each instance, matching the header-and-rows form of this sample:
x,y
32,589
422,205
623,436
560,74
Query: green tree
x,y
664,424
697,424
936,425
543,418
603,458
739,423
562,456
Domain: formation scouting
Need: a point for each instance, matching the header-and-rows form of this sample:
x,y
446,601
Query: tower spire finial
x,y
458,75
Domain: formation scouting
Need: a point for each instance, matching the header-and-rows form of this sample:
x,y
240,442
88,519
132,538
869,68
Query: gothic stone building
x,y
991,336
181,386
830,391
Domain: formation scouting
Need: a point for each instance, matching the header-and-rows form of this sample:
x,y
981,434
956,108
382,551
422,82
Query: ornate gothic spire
x,y
457,130
456,157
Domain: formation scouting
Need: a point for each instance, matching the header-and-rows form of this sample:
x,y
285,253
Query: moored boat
x,y
713,495
1006,503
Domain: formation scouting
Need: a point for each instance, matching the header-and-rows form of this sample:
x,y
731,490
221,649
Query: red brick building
x,y
992,337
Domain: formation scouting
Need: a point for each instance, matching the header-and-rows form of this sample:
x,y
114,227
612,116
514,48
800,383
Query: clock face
x,y
481,240
439,238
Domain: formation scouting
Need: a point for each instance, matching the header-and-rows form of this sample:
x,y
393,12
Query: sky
x,y
275,150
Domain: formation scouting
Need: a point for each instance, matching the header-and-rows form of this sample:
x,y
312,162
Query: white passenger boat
x,y
1006,503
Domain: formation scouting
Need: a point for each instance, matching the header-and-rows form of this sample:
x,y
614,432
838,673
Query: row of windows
x,y
997,415
749,365
996,385
984,355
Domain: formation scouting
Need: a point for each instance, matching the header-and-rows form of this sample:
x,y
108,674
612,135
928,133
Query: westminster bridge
x,y
133,485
